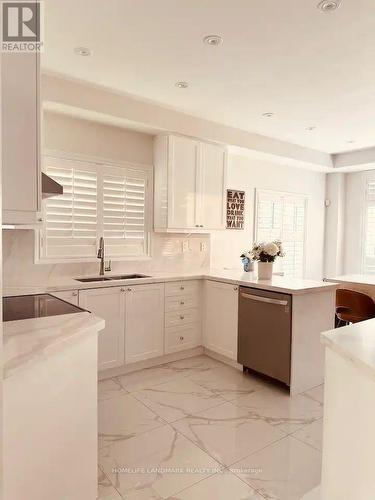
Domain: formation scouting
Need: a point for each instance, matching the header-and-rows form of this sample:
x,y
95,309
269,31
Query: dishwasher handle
x,y
258,298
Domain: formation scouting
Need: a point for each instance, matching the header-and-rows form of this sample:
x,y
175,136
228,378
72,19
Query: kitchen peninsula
x,y
50,369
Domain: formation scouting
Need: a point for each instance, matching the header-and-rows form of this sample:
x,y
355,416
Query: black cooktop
x,y
35,306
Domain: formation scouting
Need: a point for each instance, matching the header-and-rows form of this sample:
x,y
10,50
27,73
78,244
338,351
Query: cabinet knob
x,y
181,338
182,317
196,225
201,225
182,303
130,289
182,288
75,294
122,290
235,288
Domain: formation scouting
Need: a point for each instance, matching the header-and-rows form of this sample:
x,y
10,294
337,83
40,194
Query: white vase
x,y
265,270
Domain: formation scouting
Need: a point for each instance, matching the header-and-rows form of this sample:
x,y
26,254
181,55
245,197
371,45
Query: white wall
x,y
247,174
355,186
87,138
334,247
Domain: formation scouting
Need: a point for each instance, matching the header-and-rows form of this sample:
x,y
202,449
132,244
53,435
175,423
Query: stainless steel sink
x,y
128,277
92,280
112,278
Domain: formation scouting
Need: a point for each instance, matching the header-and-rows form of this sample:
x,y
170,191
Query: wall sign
x,y
235,209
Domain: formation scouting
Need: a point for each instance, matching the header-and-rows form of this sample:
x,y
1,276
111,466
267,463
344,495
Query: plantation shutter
x,y
71,219
369,228
98,200
124,211
282,216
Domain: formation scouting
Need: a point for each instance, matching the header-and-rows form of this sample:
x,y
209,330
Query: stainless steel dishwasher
x,y
264,332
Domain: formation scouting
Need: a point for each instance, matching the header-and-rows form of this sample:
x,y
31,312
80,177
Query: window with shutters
x,y
368,250
283,216
98,200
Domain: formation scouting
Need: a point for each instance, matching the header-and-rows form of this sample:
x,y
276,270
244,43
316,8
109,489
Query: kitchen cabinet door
x,y
182,182
211,186
144,337
70,296
109,304
21,181
220,323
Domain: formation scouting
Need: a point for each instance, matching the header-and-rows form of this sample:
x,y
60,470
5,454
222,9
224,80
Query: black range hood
x,y
50,187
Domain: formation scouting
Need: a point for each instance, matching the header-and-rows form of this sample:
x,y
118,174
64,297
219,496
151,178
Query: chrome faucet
x,y
101,257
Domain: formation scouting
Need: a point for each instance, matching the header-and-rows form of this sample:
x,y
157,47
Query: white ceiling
x,y
280,56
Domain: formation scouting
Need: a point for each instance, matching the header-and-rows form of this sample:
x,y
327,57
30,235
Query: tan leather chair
x,y
352,307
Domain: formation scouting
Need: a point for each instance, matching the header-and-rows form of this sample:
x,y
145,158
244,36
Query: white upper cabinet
x,y
182,182
144,328
211,186
21,138
190,183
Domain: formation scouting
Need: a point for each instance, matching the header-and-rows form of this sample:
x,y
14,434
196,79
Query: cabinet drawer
x,y
181,317
182,337
181,302
182,288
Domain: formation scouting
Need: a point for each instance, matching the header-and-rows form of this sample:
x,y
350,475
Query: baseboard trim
x,y
150,363
223,359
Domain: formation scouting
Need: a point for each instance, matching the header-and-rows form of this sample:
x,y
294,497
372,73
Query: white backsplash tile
x,y
167,256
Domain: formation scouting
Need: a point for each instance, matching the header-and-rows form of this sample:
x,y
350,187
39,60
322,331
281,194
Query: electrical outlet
x,y
203,246
185,246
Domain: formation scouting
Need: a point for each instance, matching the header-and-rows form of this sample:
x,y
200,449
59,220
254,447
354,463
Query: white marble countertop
x,y
359,279
29,340
356,343
282,284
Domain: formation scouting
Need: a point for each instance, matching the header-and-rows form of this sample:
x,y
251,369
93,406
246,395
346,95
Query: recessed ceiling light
x,y
310,129
82,51
182,85
329,5
268,115
213,40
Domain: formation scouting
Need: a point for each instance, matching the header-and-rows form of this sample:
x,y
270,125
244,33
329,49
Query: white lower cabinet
x,y
109,304
134,322
144,337
148,321
182,337
182,316
220,322
70,296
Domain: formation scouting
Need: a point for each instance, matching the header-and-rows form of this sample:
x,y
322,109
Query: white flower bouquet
x,y
267,252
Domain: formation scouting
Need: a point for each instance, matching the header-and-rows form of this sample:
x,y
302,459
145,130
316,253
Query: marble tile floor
x,y
198,429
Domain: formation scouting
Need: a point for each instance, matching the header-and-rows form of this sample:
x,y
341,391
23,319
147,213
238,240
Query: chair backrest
x,y
354,306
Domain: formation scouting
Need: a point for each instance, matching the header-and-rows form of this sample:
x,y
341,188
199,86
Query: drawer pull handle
x,y
75,294
182,288
182,303
181,338
130,290
182,317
